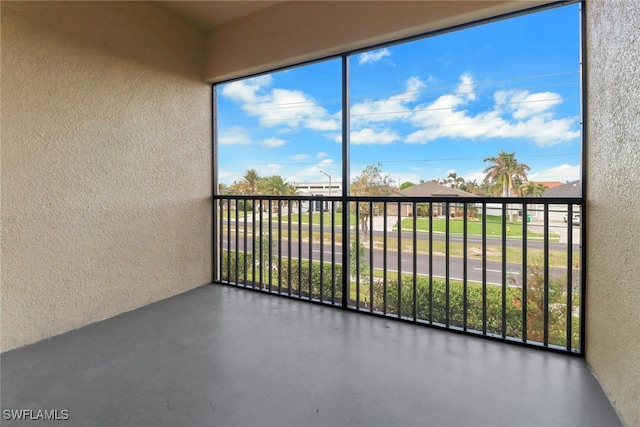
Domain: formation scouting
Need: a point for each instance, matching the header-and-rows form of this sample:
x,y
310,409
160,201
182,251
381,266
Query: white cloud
x,y
245,90
234,136
531,114
299,157
370,136
525,105
321,155
274,142
387,109
373,56
465,88
322,124
270,169
280,107
561,173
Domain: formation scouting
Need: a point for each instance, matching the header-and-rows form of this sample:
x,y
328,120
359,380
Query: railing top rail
x,y
396,199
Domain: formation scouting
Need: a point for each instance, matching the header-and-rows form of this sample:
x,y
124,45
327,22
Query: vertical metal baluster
x,y
310,256
260,257
569,276
322,250
484,268
399,259
546,274
289,213
371,283
525,273
357,254
464,267
300,249
384,259
505,212
253,243
446,265
415,260
229,241
244,240
237,267
430,262
221,238
333,253
270,240
279,276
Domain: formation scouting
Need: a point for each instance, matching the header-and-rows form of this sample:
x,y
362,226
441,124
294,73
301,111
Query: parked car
x,y
575,218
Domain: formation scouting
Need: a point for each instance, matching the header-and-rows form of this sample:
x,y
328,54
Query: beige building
x,y
106,150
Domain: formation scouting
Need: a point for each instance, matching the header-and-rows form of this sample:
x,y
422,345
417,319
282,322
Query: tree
x,y
276,186
224,189
358,264
406,185
532,189
471,187
454,181
504,170
371,182
249,183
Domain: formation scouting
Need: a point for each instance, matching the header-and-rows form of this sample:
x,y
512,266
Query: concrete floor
x,y
221,356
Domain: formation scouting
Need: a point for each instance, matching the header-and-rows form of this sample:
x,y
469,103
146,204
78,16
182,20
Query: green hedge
x,y
430,304
303,278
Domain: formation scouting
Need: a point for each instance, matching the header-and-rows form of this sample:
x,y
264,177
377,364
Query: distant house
x,y
557,212
549,184
427,189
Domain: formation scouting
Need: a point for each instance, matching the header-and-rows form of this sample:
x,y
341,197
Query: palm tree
x,y
504,171
454,181
532,189
249,183
276,186
471,187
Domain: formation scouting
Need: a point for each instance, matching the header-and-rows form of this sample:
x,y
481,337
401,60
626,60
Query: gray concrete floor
x,y
221,356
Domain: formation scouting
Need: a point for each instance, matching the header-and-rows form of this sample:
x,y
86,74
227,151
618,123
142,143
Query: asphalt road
x,y
455,269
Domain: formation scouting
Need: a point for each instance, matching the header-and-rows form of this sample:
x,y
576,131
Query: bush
x,y
315,281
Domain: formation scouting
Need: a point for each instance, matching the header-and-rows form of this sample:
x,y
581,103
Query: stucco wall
x,y
613,202
105,163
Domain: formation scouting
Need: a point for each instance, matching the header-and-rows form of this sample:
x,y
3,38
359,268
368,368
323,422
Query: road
x,y
455,269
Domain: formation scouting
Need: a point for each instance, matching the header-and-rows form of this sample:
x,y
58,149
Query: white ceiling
x,y
210,14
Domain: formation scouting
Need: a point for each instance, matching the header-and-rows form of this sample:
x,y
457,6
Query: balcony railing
x,y
504,268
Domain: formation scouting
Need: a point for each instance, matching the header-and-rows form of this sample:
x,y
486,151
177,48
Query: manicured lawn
x,y
474,227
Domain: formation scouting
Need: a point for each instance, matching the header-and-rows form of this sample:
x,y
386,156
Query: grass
x,y
456,225
474,227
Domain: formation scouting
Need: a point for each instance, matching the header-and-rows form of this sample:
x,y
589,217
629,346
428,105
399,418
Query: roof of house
x,y
432,189
549,184
570,189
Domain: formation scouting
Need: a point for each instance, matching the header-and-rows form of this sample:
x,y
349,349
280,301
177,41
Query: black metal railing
x,y
504,268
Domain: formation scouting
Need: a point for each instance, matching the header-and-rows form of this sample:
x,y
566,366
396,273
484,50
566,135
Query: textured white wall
x,y
613,201
292,32
105,163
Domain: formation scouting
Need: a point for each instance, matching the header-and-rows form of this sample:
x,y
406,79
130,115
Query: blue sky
x,y
422,109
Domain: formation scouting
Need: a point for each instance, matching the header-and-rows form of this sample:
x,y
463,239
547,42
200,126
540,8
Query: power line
x,y
429,89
